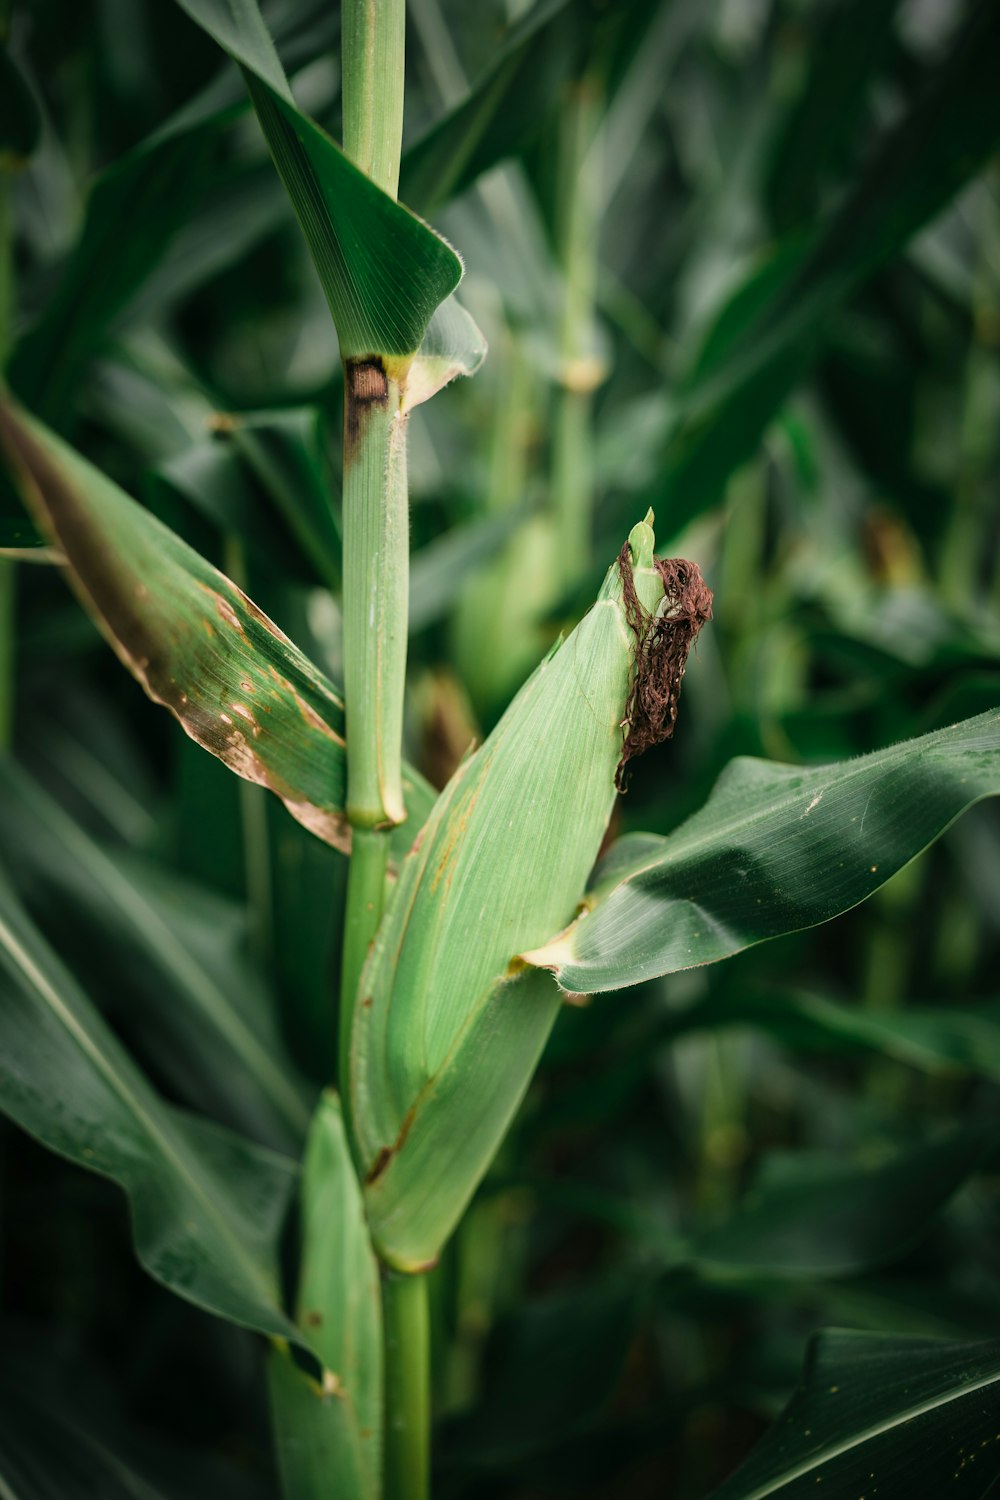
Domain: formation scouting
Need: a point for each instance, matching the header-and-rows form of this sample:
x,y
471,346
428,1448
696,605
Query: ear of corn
x,y
448,1030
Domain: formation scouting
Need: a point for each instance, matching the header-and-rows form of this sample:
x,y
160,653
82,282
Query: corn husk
x,y
450,1024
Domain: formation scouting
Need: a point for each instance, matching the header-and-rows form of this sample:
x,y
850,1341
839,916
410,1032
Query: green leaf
x,y
730,398
134,208
823,1217
263,479
883,1417
193,640
936,1040
775,849
207,1205
510,103
213,1016
282,451
383,271
328,1432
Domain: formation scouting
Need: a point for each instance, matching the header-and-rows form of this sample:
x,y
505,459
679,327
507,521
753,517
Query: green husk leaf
x,y
775,849
383,271
194,641
206,1205
446,1037
328,1431
881,1415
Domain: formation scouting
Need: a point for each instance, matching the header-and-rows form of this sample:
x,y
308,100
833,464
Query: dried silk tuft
x,y
662,643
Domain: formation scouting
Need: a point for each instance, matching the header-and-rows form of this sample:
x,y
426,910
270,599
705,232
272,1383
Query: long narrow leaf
x,y
220,1017
193,640
206,1204
882,1416
384,271
775,849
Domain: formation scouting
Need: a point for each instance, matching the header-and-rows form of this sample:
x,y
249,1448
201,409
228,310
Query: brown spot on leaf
x,y
662,643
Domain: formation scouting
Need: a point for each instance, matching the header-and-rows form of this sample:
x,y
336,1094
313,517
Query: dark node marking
x,y
662,643
367,381
366,387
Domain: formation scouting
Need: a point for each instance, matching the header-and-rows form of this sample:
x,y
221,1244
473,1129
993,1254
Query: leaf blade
x,y
206,1205
774,850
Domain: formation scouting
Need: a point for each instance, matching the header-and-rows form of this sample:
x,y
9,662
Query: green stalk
x,y
373,33
407,1388
363,912
579,218
376,583
376,518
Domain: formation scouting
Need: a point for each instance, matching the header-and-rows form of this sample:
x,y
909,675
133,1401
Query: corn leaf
x,y
148,192
946,1041
812,1215
194,641
210,1019
383,271
775,849
884,1416
509,104
206,1205
328,1431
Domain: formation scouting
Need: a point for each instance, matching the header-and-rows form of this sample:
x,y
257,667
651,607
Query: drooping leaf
x,y
882,1416
328,1431
206,1205
383,271
775,849
194,641
211,1017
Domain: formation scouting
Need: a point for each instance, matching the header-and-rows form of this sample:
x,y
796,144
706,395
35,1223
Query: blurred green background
x,y
737,261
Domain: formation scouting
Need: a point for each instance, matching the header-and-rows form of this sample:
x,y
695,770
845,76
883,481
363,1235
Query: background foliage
x,y
785,338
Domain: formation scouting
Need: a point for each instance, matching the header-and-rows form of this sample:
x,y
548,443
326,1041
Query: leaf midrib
x,y
898,1419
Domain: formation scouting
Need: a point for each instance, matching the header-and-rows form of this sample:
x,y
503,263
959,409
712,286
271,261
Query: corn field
x,y
498,979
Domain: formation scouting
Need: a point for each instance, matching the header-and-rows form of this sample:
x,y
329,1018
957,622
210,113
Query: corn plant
x,y
336,1191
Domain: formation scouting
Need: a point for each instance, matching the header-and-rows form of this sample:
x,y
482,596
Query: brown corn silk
x,y
662,643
